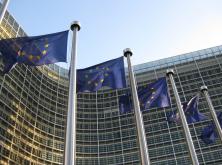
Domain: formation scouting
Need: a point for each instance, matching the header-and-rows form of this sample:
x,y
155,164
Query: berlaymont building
x,y
33,112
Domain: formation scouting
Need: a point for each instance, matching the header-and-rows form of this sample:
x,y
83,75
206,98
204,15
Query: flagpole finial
x,y
169,71
203,88
127,51
75,24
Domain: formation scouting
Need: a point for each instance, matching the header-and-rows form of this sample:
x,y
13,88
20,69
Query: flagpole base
x,y
203,88
127,52
75,24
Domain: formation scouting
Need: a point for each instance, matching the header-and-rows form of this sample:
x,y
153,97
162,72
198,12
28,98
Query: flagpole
x,y
70,144
204,89
3,9
189,140
138,115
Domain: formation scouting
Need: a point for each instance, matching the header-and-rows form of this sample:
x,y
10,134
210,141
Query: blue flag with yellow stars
x,y
190,110
209,134
110,74
34,51
154,95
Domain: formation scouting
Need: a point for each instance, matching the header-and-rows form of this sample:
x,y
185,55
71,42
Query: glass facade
x,y
33,109
104,136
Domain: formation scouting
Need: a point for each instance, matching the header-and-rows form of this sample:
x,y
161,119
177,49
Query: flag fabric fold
x,y
110,74
173,117
190,110
34,51
154,95
125,103
150,96
209,134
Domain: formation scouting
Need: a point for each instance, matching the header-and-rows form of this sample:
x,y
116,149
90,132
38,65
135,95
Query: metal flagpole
x,y
70,146
189,140
3,9
138,115
204,89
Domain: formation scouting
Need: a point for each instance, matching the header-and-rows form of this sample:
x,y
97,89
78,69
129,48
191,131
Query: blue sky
x,y
153,29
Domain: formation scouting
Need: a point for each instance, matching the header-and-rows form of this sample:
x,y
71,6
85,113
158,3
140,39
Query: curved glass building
x,y
33,107
104,136
33,112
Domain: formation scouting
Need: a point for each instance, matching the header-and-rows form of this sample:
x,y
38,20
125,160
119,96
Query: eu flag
x,y
110,74
190,110
209,133
34,51
173,117
125,103
154,94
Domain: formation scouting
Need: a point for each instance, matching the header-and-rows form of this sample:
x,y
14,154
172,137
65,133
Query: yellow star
x,y
97,68
23,53
46,45
107,69
101,80
30,57
44,52
106,74
38,57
